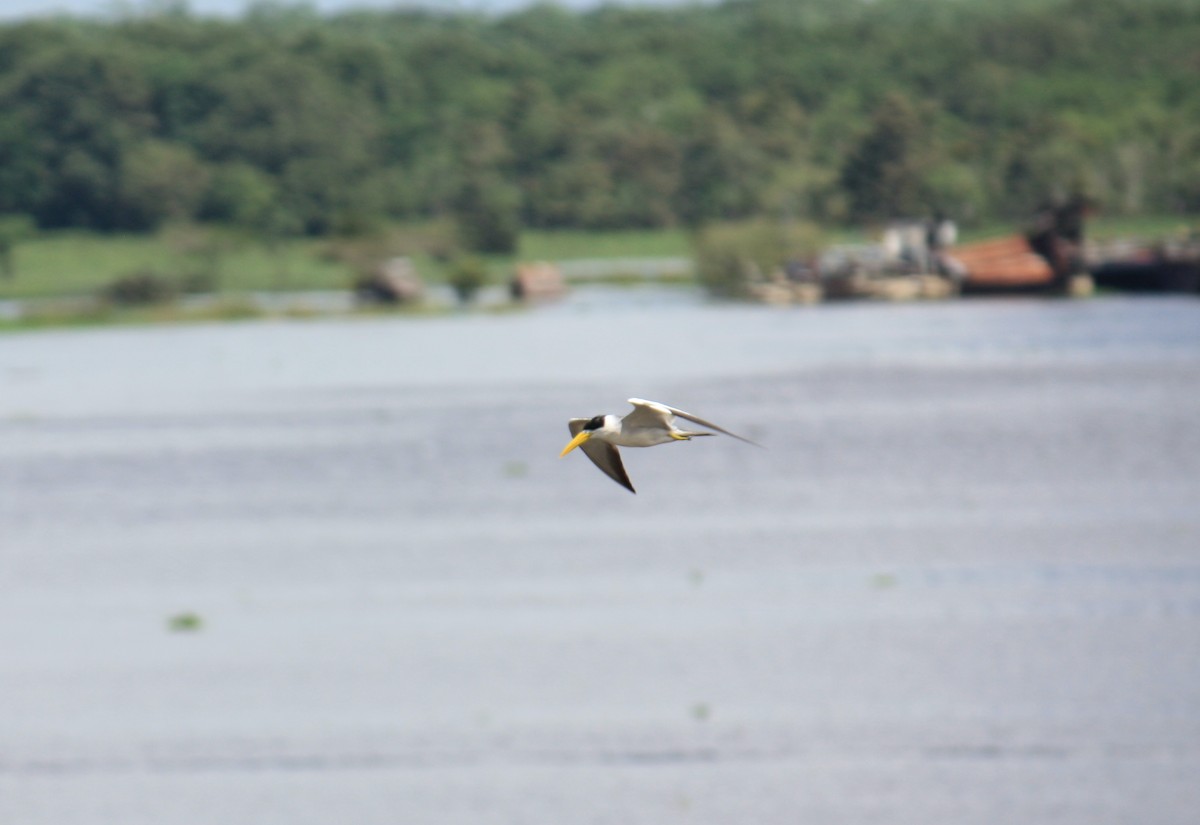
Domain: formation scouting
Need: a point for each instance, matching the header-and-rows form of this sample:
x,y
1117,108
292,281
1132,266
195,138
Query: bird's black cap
x,y
594,423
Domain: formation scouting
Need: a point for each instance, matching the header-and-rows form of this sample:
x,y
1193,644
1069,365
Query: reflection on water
x,y
961,582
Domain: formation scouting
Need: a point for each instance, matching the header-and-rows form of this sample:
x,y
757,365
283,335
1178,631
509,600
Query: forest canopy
x,y
844,111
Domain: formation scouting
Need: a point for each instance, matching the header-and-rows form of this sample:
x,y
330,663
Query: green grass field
x,y
1102,227
75,263
633,243
1149,226
56,264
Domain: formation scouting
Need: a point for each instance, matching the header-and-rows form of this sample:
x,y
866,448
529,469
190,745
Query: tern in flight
x,y
649,424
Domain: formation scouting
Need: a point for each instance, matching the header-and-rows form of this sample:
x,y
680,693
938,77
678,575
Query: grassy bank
x,y
58,264
74,263
56,315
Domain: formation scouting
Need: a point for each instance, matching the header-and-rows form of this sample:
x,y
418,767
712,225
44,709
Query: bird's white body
x,y
648,425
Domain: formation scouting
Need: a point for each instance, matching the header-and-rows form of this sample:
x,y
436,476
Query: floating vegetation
x,y
185,623
884,581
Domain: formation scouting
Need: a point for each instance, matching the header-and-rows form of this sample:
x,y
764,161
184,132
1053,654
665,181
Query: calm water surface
x,y
961,583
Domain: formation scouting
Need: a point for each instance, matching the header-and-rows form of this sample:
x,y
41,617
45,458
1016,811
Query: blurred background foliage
x,y
730,257
285,123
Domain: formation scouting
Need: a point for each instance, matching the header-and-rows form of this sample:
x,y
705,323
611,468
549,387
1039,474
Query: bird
x,y
649,424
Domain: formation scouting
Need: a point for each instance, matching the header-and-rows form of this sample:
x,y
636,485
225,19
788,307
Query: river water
x,y
334,571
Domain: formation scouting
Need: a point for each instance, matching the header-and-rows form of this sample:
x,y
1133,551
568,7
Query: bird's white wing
x,y
648,411
603,455
648,414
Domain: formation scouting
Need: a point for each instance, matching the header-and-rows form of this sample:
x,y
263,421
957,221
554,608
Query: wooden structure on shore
x,y
394,281
1006,263
537,281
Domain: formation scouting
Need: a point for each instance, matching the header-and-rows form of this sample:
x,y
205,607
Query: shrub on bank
x,y
731,258
141,288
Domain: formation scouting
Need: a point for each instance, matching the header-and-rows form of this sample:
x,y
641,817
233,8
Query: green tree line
x,y
286,122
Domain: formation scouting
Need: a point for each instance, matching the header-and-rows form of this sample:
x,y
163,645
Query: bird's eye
x,y
595,424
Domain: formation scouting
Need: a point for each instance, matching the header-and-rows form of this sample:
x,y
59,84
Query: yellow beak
x,y
580,437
